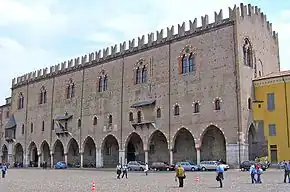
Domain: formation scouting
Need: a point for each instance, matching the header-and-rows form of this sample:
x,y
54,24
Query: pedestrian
x,y
125,171
287,171
4,170
146,168
259,172
253,173
180,174
220,174
119,170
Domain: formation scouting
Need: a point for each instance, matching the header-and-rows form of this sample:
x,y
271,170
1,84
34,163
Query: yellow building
x,y
271,106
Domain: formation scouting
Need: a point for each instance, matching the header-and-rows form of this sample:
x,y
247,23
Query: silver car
x,y
136,166
211,165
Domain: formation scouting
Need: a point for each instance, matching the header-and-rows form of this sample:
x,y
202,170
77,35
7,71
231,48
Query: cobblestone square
x,y
36,180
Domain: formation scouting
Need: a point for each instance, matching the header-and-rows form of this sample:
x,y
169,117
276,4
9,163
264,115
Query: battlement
x,y
151,40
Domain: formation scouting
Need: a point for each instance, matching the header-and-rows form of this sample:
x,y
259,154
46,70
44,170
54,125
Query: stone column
x,y
10,154
65,158
39,159
197,155
99,158
51,160
122,157
82,159
171,156
146,156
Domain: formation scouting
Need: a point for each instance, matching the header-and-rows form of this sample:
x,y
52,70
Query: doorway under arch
x,y
158,148
45,153
89,153
33,155
58,152
73,155
110,151
4,154
18,154
135,148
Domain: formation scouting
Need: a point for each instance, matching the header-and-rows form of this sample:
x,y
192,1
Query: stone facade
x,y
174,98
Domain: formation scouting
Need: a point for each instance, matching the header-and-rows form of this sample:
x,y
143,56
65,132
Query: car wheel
x,y
167,169
192,169
203,169
129,169
155,169
141,169
242,169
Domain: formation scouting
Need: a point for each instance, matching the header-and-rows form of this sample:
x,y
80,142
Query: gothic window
x,y
52,125
70,90
31,127
176,110
188,63
217,104
138,75
65,126
42,128
100,84
249,103
248,53
196,107
110,119
79,123
95,121
131,117
20,101
22,129
42,95
141,73
139,117
144,74
103,83
158,113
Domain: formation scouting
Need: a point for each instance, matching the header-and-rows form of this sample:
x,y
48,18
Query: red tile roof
x,y
274,74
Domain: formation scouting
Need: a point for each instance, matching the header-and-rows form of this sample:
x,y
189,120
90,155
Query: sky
x,y
35,34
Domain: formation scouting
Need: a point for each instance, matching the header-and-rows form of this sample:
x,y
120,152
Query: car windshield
x,y
141,163
191,163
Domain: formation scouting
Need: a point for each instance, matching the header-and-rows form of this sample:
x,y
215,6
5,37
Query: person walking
x,y
4,170
253,173
125,171
259,172
119,170
287,171
220,174
146,169
180,174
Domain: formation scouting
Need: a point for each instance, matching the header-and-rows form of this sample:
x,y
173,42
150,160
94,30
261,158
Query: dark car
x,y
162,166
246,165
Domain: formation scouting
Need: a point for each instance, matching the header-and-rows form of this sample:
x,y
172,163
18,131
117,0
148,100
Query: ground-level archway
x,y
33,155
89,153
45,153
73,154
110,151
4,154
18,154
213,145
58,152
184,146
158,148
135,148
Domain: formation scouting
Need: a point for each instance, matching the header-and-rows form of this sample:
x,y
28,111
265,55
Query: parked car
x,y
211,165
162,166
61,165
187,166
245,165
136,166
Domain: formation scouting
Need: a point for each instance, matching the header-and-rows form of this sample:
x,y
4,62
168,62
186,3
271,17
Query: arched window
x,y
188,63
110,119
158,113
72,94
217,104
249,103
138,74
100,84
105,83
139,117
95,121
42,95
31,127
131,118
196,107
79,123
20,101
22,129
176,110
248,53
144,74
42,126
70,90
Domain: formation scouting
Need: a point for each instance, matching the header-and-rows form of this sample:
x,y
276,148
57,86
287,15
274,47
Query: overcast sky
x,y
39,33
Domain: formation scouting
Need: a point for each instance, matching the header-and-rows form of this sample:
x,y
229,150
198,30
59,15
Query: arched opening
x,y
158,148
139,117
158,113
249,103
58,152
4,154
95,121
134,148
176,110
217,104
45,153
18,155
110,151
32,155
73,155
131,117
89,153
184,147
213,145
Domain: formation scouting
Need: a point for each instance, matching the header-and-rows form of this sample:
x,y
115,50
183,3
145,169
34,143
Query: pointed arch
x,y
110,151
18,154
158,147
45,152
134,147
73,153
4,153
58,151
89,147
248,53
33,154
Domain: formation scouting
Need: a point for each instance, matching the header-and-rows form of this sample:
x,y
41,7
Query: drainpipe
x,y
26,125
122,103
169,97
81,112
51,113
286,110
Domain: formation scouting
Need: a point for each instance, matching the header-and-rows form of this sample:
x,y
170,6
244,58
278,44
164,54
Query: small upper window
x,y
79,123
31,127
188,63
131,118
42,95
176,110
110,119
217,104
141,73
249,103
95,121
158,113
139,117
248,53
42,127
196,107
20,101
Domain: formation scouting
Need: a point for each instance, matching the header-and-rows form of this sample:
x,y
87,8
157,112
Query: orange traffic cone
x,y
94,187
197,179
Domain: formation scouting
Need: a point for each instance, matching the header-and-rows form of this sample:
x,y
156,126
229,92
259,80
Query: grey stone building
x,y
181,96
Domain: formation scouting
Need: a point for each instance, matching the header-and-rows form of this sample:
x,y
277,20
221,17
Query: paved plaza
x,y
35,180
